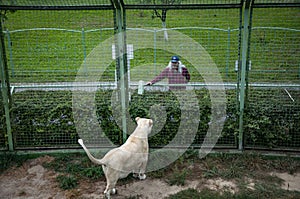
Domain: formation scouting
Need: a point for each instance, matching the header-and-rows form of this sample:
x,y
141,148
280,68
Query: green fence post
x,y
5,88
10,54
154,43
228,52
84,49
243,70
122,67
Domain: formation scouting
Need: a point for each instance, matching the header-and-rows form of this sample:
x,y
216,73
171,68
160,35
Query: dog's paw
x,y
114,191
142,176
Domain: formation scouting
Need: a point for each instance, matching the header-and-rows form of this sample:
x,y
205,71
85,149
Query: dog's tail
x,y
94,160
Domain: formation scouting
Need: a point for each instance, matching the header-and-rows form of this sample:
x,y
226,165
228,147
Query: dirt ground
x,y
32,180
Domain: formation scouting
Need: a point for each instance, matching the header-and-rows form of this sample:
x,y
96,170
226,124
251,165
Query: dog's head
x,y
144,123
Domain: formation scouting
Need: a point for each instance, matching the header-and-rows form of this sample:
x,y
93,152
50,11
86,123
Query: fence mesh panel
x,y
273,109
55,3
45,51
2,125
272,118
52,49
56,58
219,40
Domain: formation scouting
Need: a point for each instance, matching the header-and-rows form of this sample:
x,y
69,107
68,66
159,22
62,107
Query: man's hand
x,y
148,83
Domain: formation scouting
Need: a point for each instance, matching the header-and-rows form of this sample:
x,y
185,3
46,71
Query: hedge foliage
x,y
45,118
272,118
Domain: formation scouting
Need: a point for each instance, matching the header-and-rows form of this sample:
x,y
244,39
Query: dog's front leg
x,y
141,174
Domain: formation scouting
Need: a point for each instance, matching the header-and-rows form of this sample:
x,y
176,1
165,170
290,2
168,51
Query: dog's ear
x,y
137,119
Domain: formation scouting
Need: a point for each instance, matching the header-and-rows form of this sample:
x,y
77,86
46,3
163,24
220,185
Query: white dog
x,y
131,157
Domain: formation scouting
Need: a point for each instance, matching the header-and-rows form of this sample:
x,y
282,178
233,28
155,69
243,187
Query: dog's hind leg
x,y
110,189
111,178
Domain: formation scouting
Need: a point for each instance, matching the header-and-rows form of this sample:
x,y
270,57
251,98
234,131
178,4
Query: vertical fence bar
x,y
84,49
154,51
10,53
228,52
242,71
121,58
238,62
5,88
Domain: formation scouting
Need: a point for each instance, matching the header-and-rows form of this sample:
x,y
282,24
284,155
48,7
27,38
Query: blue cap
x,y
174,59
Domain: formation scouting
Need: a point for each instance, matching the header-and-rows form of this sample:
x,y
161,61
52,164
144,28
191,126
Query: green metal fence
x,y
245,53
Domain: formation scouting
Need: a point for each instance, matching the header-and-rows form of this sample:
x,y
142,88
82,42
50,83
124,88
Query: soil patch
x,y
291,182
32,180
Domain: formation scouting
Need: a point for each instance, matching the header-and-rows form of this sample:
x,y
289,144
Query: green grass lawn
x,y
55,55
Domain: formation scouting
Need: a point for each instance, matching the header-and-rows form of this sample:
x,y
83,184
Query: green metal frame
x,y
243,71
121,59
5,88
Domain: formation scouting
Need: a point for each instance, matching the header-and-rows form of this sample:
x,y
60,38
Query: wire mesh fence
x,y
56,58
272,117
3,142
274,59
52,49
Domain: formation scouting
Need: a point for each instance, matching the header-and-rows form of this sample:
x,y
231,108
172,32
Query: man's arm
x,y
186,74
158,78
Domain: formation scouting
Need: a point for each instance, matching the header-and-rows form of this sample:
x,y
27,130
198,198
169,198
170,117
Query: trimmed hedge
x,y
45,119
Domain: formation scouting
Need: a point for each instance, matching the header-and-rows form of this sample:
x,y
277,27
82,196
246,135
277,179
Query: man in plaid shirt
x,y
176,73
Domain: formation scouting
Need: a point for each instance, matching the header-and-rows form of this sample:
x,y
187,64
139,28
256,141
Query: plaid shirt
x,y
180,76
